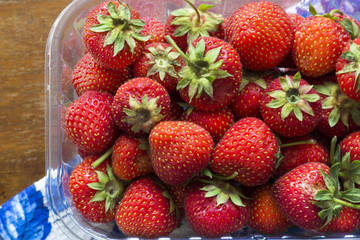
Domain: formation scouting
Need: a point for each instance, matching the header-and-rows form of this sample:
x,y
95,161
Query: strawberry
x,y
261,32
112,34
290,106
139,104
300,150
310,195
146,210
215,209
247,101
89,75
184,25
347,70
265,216
318,43
179,150
89,123
340,114
130,158
351,144
347,222
160,62
248,148
95,192
212,75
155,28
216,122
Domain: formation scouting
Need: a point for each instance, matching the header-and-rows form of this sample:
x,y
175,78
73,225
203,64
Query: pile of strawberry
x,y
251,120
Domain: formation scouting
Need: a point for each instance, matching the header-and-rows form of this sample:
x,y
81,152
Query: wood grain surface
x,y
24,28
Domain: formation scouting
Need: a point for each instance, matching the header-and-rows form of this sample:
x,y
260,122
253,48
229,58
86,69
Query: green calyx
x,y
252,77
143,115
195,22
108,189
201,69
293,97
120,28
162,61
223,191
353,57
342,106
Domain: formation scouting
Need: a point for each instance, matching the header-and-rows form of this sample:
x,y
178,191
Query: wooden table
x,y
24,27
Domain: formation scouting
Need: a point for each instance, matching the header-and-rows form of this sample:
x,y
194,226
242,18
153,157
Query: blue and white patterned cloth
x,y
26,216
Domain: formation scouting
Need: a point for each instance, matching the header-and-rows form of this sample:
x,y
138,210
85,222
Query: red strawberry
x,y
347,222
265,216
347,70
215,209
310,195
179,150
248,148
139,104
290,106
184,25
154,28
145,210
89,123
160,62
216,122
318,44
300,150
350,24
89,75
112,34
212,75
351,143
130,157
295,191
247,101
261,32
95,192
340,114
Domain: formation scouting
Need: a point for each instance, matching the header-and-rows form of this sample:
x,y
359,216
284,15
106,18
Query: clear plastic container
x,y
64,48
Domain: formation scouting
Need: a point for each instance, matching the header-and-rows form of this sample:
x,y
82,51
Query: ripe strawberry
x,y
247,101
299,150
179,150
248,148
95,192
146,211
347,222
139,104
130,157
112,34
184,25
160,62
215,209
89,123
215,122
212,75
290,106
351,143
265,216
155,28
261,32
318,43
89,75
311,196
347,70
340,114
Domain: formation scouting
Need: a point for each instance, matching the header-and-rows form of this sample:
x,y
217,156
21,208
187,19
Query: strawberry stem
x,y
172,42
311,141
332,150
195,9
345,203
102,158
